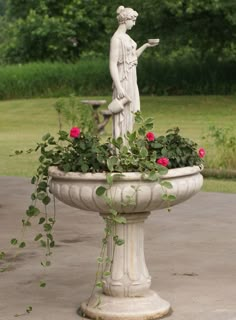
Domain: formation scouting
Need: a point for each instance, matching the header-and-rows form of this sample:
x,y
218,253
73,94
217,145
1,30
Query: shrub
x,y
223,155
90,76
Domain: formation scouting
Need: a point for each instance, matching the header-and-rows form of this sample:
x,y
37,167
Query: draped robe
x,y
126,64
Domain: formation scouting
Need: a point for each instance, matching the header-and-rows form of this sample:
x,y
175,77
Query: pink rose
x,y
150,136
201,153
163,161
74,132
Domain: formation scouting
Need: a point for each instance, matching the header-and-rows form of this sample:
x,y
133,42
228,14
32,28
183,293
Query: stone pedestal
x,y
129,275
126,293
148,307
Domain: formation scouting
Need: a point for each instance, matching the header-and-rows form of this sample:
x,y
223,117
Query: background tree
x,y
53,30
65,29
2,7
204,27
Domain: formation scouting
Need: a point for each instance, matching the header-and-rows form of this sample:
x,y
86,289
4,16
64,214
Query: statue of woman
x,y
123,62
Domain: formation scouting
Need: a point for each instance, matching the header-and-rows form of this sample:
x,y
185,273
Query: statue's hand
x,y
120,93
151,44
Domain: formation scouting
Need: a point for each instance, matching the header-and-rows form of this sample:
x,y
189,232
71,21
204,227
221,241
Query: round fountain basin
x,y
129,193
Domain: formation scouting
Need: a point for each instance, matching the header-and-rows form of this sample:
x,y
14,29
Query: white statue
x,y
123,62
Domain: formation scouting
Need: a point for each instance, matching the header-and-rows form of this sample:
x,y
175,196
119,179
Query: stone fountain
x,y
126,293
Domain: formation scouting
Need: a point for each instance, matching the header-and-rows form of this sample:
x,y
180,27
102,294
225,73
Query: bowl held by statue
x,y
153,41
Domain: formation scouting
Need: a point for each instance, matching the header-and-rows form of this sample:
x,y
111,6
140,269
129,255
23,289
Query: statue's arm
x,y
140,50
113,61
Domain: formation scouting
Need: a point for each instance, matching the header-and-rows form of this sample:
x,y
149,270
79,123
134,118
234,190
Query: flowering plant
x,y
78,151
140,151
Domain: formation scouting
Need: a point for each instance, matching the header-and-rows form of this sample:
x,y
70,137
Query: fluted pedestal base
x,y
148,307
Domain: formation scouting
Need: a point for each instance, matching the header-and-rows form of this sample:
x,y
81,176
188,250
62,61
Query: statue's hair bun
x,y
121,8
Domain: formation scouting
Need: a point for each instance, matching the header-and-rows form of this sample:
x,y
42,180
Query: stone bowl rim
x,y
54,172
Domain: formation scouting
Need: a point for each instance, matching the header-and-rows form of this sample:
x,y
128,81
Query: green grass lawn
x,y
216,185
24,122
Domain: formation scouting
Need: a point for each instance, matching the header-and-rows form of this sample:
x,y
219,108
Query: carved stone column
x,y
126,292
129,275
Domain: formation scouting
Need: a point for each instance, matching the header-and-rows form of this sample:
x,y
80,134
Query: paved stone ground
x,y
190,253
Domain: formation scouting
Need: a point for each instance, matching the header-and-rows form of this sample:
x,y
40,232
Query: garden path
x,y
190,253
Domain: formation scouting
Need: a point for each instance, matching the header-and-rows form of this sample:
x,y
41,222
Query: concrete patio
x,y
190,254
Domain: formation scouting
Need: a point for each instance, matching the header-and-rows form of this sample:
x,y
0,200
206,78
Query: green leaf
x,y
41,220
100,191
141,131
84,168
33,180
2,255
171,197
41,195
47,227
108,260
109,179
132,136
99,260
33,196
43,243
164,197
113,212
32,211
4,269
48,263
43,185
157,145
164,152
29,309
138,117
22,244
149,126
99,284
153,176
14,241
46,136
39,236
119,141
149,121
111,162
120,242
49,236
106,273
52,244
46,200
26,223
42,284
162,170
143,152
166,184
119,220
18,152
124,149
66,167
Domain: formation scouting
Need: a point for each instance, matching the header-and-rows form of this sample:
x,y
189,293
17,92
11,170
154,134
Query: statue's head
x,y
124,14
